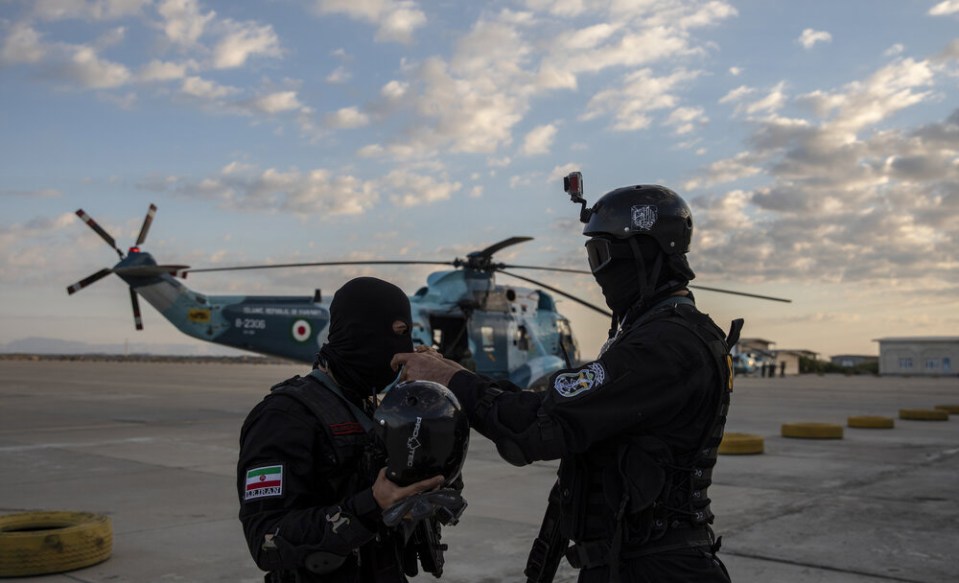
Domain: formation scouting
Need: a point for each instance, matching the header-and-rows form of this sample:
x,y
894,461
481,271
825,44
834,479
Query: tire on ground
x,y
741,444
812,430
951,409
871,422
924,414
39,543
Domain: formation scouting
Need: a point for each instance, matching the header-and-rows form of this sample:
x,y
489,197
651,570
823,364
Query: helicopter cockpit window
x,y
486,332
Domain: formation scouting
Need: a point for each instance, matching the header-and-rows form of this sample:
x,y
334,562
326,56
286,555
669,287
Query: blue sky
x,y
816,142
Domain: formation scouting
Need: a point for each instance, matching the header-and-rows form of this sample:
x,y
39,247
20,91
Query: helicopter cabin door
x,y
450,338
492,333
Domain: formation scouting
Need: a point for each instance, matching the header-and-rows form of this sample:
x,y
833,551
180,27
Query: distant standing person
x,y
636,430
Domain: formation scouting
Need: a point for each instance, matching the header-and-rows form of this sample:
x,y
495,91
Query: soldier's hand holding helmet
x,y
387,493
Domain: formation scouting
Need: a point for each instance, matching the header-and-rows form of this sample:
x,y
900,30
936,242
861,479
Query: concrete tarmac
x,y
154,446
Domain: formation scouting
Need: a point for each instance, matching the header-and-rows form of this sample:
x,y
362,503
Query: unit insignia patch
x,y
570,384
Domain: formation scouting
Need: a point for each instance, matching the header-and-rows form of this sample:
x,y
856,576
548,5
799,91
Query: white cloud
x,y
945,8
640,94
737,94
206,90
810,37
539,140
277,102
183,23
396,20
740,166
22,44
686,119
338,75
899,85
347,118
410,189
86,9
394,90
841,198
559,172
89,70
162,71
894,51
243,40
773,101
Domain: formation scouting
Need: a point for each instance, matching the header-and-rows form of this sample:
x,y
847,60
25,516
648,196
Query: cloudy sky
x,y
816,142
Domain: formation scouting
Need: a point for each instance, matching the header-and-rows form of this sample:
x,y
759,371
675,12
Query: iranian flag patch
x,y
262,482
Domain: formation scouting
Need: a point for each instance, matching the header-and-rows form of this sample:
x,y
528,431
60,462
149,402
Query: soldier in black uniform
x,y
312,488
637,429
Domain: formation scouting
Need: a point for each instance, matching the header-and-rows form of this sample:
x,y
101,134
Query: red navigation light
x,y
134,249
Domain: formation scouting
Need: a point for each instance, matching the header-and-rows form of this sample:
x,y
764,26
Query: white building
x,y
919,355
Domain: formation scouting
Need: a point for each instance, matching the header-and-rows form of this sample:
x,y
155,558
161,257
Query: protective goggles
x,y
601,252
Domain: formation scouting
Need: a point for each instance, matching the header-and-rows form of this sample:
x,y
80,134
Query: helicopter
x,y
500,331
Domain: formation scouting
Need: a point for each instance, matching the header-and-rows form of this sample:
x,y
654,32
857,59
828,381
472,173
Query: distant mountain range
x,y
38,345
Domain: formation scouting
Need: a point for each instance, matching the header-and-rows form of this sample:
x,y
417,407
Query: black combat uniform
x,y
636,431
318,513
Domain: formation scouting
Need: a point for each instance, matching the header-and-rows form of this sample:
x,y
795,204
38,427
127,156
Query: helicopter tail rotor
x,y
127,267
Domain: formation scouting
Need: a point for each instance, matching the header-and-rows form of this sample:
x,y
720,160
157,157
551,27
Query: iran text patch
x,y
570,384
263,482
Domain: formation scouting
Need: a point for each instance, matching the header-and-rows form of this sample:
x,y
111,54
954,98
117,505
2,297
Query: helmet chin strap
x,y
647,279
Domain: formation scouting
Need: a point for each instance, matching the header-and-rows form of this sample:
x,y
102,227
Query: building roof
x,y
918,339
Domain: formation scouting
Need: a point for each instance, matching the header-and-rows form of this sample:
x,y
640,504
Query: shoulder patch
x,y
263,482
570,384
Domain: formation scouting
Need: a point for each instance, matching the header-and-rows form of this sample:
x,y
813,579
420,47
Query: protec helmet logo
x,y
413,443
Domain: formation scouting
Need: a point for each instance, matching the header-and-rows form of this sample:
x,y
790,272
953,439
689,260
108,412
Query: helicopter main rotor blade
x,y
88,280
560,292
739,293
560,269
315,264
489,251
137,320
99,230
702,287
147,221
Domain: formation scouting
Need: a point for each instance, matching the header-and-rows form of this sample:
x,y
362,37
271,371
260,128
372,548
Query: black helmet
x,y
645,209
424,430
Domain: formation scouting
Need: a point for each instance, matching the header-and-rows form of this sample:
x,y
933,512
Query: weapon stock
x,y
549,547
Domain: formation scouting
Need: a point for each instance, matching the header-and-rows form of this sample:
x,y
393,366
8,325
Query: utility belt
x,y
588,554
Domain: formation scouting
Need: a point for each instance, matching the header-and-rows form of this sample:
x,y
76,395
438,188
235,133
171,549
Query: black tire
x,y
38,543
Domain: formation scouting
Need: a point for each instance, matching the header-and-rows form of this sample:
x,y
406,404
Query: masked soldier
x,y
637,429
312,486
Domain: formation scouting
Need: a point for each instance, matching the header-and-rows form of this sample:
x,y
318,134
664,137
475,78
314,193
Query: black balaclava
x,y
645,277
361,342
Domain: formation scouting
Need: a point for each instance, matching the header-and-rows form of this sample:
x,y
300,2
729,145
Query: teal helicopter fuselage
x,y
503,332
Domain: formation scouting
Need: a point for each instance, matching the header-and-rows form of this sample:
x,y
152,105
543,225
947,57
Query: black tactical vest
x,y
629,490
351,440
